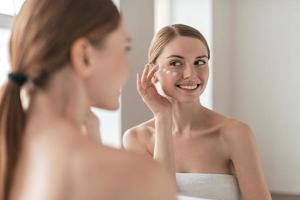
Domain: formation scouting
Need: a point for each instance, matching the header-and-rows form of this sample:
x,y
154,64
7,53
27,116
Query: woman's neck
x,y
185,115
63,97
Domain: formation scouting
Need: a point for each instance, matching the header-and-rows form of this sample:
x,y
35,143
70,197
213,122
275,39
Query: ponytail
x,y
12,122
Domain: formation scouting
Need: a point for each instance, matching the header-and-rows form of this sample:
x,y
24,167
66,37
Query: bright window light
x,y
4,56
10,7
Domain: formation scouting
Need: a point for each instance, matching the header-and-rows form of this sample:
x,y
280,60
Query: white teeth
x,y
192,87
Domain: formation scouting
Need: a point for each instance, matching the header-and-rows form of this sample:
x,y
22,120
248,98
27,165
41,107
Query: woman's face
x,y
111,70
183,69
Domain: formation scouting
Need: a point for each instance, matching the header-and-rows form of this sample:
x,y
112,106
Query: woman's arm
x,y
161,109
246,162
137,139
163,147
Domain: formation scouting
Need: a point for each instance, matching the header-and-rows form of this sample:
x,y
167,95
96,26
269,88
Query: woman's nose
x,y
188,71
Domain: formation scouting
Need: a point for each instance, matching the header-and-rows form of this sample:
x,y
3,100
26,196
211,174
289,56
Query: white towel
x,y
211,186
189,198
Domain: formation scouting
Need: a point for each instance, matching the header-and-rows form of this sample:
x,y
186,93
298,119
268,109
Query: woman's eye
x,y
175,63
200,62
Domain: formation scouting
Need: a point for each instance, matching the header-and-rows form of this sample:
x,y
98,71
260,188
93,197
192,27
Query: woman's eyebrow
x,y
203,56
181,57
177,56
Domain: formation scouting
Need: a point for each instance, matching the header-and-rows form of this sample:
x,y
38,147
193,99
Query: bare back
x,y
60,163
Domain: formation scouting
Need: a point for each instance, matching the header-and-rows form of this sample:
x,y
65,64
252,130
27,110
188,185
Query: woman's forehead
x,y
184,47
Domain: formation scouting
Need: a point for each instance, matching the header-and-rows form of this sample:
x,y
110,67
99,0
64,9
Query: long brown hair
x,y
42,35
168,33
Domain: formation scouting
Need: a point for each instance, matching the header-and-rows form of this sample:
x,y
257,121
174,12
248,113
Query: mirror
x,y
255,74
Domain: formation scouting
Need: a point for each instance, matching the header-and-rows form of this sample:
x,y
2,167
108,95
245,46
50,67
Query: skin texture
x,y
184,135
60,161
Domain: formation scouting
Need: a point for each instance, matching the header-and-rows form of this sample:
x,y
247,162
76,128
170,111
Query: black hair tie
x,y
18,78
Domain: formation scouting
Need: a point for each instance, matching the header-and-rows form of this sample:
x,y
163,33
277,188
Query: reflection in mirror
x,y
254,78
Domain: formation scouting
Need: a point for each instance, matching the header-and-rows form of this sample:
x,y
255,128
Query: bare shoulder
x,y
108,170
237,134
59,144
142,130
56,144
233,128
56,137
245,157
146,179
71,164
138,137
47,149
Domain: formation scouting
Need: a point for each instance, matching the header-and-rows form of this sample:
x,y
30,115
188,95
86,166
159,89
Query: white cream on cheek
x,y
163,70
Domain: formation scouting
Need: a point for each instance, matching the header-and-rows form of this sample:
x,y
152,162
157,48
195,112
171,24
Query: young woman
x,y
66,56
213,156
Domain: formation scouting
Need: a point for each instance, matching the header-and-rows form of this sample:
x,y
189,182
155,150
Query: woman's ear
x,y
79,57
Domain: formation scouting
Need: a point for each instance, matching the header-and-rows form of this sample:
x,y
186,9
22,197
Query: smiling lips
x,y
190,86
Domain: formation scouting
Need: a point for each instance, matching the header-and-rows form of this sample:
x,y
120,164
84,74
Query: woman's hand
x,y
158,104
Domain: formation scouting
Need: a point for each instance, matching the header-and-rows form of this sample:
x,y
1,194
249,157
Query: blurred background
x,y
254,71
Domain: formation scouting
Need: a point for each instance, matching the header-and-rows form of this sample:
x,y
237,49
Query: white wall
x,y
4,57
110,126
5,23
257,79
139,18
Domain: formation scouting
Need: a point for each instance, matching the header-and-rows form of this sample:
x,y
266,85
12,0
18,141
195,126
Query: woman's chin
x,y
187,100
114,108
112,105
